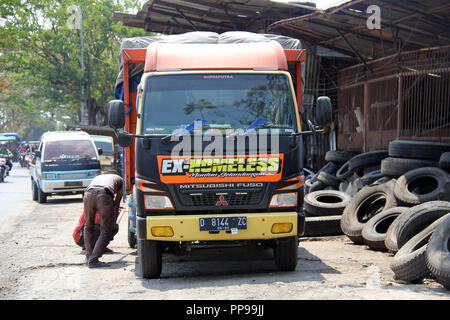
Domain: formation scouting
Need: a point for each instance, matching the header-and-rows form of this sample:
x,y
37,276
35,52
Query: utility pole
x,y
83,100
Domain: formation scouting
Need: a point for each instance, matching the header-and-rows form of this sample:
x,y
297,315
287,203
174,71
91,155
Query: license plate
x,y
223,223
73,184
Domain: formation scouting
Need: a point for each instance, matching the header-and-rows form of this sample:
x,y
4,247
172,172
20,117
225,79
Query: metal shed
x,y
399,88
179,16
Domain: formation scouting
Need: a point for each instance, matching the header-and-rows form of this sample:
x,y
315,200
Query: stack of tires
x,y
329,191
401,210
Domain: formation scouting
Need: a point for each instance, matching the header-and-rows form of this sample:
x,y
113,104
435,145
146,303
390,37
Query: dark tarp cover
x,y
136,69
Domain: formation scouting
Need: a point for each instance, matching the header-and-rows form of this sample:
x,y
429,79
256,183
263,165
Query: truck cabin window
x,y
223,101
69,150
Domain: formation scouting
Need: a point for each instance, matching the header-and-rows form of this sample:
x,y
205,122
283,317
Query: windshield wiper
x,y
197,124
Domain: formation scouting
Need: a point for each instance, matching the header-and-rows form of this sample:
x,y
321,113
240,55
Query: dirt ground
x,y
39,260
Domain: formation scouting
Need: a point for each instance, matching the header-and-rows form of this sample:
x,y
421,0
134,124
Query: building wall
x,y
404,96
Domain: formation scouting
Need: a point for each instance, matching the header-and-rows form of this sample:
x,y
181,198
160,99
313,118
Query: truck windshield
x,y
69,150
224,101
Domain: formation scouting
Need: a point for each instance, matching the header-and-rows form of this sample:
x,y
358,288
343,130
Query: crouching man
x,y
103,194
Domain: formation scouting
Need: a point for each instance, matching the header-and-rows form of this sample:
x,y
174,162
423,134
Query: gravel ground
x,y
39,260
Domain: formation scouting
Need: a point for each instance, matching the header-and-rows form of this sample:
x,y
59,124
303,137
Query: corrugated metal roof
x,y
179,16
405,25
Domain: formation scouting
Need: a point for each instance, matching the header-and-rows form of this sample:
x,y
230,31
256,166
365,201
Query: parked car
x,y
109,156
65,163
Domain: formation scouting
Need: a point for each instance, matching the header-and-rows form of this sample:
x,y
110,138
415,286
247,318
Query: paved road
x,y
15,196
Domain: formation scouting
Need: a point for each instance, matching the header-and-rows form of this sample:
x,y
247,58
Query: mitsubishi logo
x,y
221,201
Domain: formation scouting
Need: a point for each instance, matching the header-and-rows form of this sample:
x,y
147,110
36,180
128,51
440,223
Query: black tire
x,y
374,231
438,253
150,258
368,202
326,202
42,196
409,263
34,191
328,179
340,156
420,185
418,218
417,149
390,240
395,167
330,167
286,253
316,186
444,161
307,186
371,177
323,226
361,161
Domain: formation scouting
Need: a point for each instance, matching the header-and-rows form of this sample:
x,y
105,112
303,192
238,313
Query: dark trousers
x,y
98,200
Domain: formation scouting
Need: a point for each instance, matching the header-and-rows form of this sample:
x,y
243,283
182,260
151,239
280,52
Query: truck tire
x,y
418,218
286,253
323,226
417,149
374,231
326,202
42,196
368,202
396,167
328,179
390,240
361,161
150,258
438,253
409,263
340,156
444,161
34,191
330,167
420,185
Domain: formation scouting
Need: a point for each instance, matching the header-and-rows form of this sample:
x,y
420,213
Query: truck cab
x,y
218,150
65,163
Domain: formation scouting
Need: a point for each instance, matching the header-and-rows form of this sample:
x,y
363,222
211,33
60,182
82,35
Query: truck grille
x,y
221,199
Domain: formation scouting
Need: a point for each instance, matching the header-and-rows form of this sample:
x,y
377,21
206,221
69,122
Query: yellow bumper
x,y
187,228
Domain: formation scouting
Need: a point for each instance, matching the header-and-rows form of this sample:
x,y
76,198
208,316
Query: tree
x,y
41,54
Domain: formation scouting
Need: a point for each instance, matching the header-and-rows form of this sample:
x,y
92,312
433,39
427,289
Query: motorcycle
x,y
4,169
22,159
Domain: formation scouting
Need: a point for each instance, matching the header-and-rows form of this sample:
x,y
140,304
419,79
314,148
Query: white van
x,y
65,164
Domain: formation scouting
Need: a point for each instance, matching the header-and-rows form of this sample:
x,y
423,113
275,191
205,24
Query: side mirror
x,y
323,112
124,140
116,114
100,151
37,154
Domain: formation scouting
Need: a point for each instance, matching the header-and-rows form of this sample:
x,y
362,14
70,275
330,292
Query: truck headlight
x,y
284,200
48,176
157,202
93,173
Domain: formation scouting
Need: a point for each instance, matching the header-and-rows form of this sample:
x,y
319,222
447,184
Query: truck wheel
x,y
150,258
42,197
34,191
131,236
286,253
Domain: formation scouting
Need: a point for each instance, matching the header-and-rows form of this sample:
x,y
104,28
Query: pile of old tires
x,y
399,202
329,191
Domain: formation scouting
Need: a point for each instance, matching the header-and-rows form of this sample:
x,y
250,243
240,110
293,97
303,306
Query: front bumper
x,y
61,186
186,227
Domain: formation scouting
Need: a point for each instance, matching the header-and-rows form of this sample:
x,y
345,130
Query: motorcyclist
x,y
5,153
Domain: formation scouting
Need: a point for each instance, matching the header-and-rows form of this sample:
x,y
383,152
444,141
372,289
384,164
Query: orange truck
x,y
213,147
